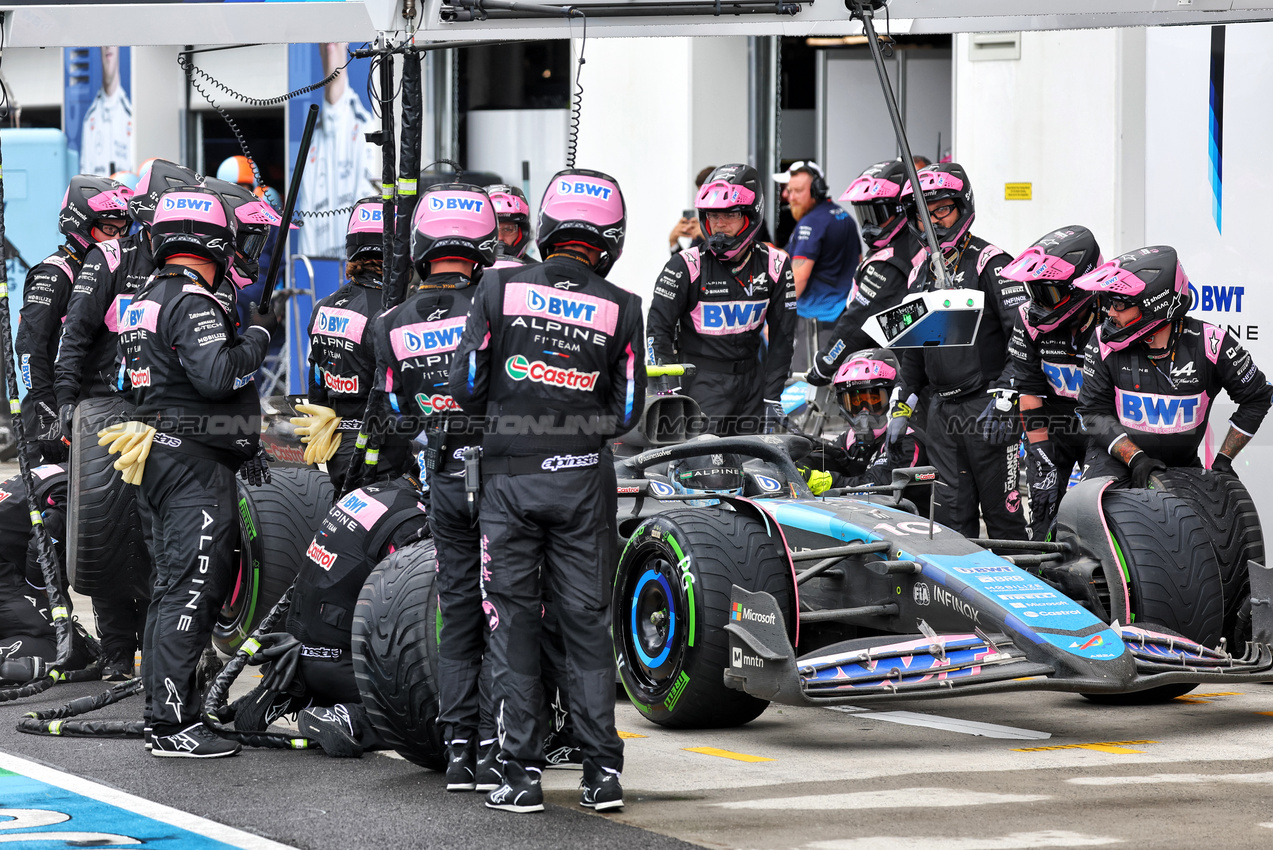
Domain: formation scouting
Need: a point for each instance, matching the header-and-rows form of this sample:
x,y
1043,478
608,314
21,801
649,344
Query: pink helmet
x,y
454,221
583,206
877,201
1048,269
862,387
159,177
944,181
731,187
1149,278
511,206
87,201
254,218
194,220
364,236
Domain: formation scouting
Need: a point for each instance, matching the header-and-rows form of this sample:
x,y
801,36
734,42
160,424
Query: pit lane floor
x,y
950,775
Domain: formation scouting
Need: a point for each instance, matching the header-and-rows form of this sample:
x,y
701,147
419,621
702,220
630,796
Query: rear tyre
x,y
395,646
277,521
1172,575
671,604
1230,518
105,550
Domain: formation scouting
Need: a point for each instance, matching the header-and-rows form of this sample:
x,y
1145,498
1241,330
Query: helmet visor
x,y
874,214
252,242
870,400
1048,295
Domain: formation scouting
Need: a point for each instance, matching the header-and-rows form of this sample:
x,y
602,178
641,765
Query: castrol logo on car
x,y
341,384
320,556
521,369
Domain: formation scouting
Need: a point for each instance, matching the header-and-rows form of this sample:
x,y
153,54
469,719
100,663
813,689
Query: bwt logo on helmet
x,y
521,369
579,187
438,204
369,214
559,307
187,203
1161,414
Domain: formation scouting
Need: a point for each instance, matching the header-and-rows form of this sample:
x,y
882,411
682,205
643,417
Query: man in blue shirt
x,y
824,250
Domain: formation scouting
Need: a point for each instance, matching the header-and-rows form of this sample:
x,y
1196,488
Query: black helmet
x,y
453,221
162,176
877,201
194,220
253,217
586,207
1150,278
365,233
88,200
1048,268
511,206
729,188
946,180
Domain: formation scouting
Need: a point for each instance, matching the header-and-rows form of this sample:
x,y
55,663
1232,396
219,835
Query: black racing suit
x,y
342,368
881,282
192,379
415,343
1049,364
970,471
26,627
706,313
361,530
855,463
113,272
553,358
44,298
87,367
1162,404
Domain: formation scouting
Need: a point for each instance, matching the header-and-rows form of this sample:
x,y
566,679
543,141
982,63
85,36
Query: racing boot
x,y
119,669
601,789
461,765
335,729
259,707
488,776
196,741
560,752
519,792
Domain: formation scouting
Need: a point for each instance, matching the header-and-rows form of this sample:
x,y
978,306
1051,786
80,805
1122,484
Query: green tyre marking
x,y
689,589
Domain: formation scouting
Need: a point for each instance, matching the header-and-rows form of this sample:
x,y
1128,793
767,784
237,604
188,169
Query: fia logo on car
x,y
921,593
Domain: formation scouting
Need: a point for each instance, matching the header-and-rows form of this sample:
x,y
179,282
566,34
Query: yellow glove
x,y
131,441
818,480
317,430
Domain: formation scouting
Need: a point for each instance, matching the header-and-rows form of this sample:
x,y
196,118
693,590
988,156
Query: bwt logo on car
x,y
556,305
139,377
369,214
193,204
1217,299
341,384
1162,414
578,187
466,204
320,556
521,369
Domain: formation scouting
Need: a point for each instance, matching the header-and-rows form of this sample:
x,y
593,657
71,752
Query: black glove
x,y
256,469
1045,491
1000,423
281,653
814,376
48,434
1143,466
1222,463
66,417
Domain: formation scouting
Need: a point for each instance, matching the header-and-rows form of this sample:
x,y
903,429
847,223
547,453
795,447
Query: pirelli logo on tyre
x,y
521,369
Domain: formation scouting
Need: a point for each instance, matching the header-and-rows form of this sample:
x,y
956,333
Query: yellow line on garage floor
x,y
1205,699
1118,747
626,735
725,754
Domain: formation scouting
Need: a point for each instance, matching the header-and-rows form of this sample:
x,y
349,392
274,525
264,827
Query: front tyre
x,y
671,603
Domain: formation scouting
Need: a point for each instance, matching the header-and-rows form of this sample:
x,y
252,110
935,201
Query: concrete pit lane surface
x,y
995,772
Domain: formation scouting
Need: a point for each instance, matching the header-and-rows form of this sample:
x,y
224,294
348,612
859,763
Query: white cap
x,y
800,165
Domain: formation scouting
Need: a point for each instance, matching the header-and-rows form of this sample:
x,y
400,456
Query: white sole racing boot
x,y
461,766
196,741
520,791
333,728
601,790
489,775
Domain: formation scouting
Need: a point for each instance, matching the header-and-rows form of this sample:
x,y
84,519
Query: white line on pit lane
x,y
138,805
899,798
1178,779
948,724
1015,841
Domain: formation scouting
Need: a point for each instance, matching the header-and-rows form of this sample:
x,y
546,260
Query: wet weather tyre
x,y
277,521
1229,515
395,653
671,604
105,550
1172,573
